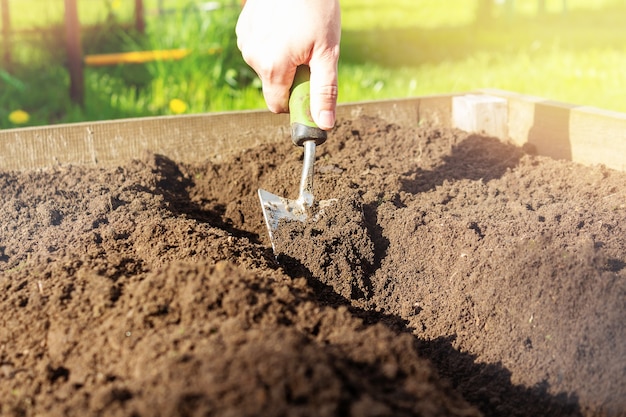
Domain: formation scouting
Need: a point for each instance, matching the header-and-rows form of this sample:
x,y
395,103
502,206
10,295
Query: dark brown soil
x,y
454,276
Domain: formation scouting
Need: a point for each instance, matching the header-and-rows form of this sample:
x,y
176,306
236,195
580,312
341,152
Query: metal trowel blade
x,y
276,208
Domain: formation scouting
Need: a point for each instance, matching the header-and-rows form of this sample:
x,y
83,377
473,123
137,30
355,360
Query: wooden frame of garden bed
x,y
564,131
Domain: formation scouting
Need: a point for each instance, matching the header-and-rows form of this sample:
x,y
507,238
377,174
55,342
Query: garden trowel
x,y
305,133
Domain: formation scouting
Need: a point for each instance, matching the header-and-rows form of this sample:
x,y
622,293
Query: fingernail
x,y
327,119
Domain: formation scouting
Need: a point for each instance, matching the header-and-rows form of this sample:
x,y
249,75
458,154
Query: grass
x,y
576,57
389,50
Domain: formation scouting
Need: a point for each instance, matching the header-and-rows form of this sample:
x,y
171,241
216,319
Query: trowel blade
x,y
276,208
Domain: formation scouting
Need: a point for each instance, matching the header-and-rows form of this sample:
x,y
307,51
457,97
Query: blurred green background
x,y
572,51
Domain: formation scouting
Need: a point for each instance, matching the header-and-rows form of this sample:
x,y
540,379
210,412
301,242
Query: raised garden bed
x,y
458,273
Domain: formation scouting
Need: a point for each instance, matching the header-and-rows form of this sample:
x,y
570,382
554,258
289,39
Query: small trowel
x,y
305,133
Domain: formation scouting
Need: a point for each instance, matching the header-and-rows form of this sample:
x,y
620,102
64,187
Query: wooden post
x,y
484,11
74,52
510,8
140,23
541,6
6,34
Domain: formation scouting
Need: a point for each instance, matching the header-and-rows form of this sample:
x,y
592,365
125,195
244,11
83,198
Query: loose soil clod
x,y
333,246
455,276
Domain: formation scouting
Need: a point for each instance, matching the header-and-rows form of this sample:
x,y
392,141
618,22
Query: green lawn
x,y
430,47
391,49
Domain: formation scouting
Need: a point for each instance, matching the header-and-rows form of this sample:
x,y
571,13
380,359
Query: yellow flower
x,y
177,106
19,117
116,4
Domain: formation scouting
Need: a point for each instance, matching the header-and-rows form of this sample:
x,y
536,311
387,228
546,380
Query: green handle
x,y
303,128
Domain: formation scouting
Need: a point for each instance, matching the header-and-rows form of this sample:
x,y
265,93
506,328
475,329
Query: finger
x,y
276,85
324,90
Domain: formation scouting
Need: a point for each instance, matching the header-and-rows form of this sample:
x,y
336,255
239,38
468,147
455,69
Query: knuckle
x,y
327,92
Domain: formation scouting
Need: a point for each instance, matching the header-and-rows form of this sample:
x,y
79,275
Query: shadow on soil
x,y
486,386
475,158
173,185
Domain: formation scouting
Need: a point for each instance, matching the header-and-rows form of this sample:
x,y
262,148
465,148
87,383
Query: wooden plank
x,y
141,57
480,113
566,131
435,110
182,138
598,137
185,138
559,130
135,57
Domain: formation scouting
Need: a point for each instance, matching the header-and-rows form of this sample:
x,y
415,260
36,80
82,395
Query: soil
x,y
455,275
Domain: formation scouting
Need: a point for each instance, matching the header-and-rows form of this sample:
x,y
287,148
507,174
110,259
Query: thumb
x,y
323,92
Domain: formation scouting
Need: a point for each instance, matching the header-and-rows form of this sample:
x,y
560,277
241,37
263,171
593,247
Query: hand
x,y
275,36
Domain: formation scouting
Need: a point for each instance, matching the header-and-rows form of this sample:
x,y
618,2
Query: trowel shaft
x,y
306,180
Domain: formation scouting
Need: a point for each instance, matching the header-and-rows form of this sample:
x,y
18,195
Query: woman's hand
x,y
275,36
